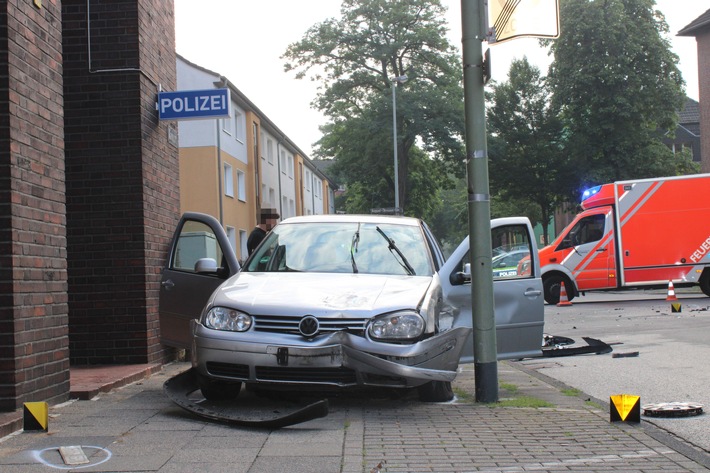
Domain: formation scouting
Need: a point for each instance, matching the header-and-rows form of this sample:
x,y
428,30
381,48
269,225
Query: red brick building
x,y
89,190
700,29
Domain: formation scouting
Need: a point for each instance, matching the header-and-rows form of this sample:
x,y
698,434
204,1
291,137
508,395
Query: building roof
x,y
696,26
690,112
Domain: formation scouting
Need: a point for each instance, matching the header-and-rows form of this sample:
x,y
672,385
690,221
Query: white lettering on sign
x,y
193,104
700,253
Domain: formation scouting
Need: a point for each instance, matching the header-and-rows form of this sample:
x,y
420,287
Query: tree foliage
x,y
355,58
527,157
617,84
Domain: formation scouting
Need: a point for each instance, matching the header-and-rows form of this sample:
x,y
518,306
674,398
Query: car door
x,y
183,290
592,259
518,298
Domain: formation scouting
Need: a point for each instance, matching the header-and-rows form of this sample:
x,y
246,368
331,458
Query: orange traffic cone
x,y
671,292
564,301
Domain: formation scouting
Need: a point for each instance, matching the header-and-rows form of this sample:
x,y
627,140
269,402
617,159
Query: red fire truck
x,y
632,234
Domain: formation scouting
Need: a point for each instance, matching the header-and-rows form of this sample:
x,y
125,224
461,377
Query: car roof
x,y
354,218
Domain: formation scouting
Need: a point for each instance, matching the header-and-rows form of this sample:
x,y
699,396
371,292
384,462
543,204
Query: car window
x,y
344,247
588,230
510,250
196,241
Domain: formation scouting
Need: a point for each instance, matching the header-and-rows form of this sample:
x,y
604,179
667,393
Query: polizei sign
x,y
193,104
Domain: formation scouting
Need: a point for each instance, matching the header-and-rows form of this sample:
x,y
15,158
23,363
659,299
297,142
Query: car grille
x,y
228,370
289,324
340,376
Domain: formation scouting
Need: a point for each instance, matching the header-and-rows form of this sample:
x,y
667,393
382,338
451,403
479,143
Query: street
x,y
672,352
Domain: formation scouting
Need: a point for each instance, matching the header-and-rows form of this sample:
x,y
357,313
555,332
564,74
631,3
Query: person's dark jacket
x,y
255,238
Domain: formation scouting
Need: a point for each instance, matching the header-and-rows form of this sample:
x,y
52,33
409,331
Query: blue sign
x,y
193,104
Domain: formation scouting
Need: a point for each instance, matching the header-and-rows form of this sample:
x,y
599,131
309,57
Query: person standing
x,y
267,220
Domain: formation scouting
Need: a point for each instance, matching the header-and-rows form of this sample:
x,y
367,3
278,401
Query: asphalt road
x,y
673,353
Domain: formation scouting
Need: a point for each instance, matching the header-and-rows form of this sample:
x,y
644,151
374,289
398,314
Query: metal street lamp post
x,y
397,80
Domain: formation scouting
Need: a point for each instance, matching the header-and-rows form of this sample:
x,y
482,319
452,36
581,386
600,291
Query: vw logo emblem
x,y
308,326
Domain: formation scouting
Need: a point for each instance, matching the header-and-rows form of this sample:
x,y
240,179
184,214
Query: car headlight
x,y
222,318
396,326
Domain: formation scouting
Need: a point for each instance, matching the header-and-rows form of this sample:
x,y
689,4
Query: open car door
x,y
184,290
518,299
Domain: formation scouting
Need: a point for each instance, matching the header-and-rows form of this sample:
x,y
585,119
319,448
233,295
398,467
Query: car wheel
x,y
436,391
705,282
218,390
551,285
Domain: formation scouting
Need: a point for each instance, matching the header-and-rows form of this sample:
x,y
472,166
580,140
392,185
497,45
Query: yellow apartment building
x,y
232,167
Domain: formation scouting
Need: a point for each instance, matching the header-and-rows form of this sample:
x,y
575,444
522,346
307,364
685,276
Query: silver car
x,y
337,301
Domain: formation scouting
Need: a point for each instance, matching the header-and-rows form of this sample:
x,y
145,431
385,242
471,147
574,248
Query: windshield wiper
x,y
392,246
353,248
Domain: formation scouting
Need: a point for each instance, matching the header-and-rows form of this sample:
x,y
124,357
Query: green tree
x,y
355,58
618,87
527,158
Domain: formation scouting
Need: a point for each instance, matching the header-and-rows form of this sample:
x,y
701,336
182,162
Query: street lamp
x,y
397,80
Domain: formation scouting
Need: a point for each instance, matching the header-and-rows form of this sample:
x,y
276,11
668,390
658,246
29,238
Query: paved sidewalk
x,y
137,429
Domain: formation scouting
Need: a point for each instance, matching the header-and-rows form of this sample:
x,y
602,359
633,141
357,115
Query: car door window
x,y
511,253
196,241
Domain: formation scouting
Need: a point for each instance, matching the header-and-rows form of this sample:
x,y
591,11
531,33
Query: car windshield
x,y
344,247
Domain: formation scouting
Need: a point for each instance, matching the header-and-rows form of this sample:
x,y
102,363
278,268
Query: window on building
x,y
308,181
270,151
241,186
284,206
283,161
232,236
228,180
228,125
243,237
272,196
316,186
290,166
239,126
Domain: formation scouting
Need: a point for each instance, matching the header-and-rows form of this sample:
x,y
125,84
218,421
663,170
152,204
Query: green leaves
x,y
617,86
355,57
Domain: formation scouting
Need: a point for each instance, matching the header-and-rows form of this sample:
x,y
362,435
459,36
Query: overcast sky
x,y
243,41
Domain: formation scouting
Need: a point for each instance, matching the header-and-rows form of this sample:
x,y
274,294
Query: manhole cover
x,y
672,409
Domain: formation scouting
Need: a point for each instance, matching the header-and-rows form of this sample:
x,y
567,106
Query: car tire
x,y
436,391
551,285
705,282
214,390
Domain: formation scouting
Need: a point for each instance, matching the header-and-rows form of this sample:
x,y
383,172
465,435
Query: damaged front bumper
x,y
336,359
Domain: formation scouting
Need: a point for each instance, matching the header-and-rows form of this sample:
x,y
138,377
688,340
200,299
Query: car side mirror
x,y
461,277
206,266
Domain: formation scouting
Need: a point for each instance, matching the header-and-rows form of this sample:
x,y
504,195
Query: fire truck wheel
x,y
705,282
551,285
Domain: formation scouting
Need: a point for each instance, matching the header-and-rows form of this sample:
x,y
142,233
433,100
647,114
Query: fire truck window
x,y
588,230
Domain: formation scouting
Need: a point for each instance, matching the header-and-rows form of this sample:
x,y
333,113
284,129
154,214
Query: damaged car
x,y
337,301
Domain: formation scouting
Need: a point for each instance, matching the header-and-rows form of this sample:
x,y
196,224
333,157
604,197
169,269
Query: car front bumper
x,y
335,359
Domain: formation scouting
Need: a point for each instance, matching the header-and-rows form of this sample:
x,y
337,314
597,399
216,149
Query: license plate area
x,y
307,357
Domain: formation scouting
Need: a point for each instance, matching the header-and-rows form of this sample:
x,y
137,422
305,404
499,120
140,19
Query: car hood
x,y
321,294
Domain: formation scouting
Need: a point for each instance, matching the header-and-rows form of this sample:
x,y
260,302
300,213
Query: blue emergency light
x,y
590,192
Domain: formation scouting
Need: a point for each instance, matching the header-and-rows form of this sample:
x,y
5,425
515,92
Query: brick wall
x,y
34,358
122,175
703,39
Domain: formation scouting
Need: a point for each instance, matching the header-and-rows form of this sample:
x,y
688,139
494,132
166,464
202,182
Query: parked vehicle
x,y
506,264
337,301
634,234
